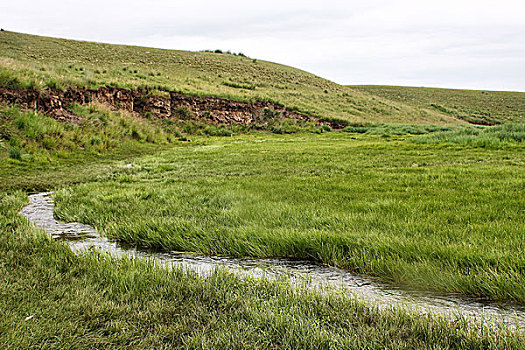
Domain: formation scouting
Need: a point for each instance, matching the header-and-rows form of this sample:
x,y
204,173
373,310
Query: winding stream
x,y
79,237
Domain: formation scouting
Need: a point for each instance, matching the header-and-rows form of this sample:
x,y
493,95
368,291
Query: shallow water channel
x,y
79,237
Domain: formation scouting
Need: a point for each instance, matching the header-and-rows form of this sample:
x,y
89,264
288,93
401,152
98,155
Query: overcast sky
x,y
477,44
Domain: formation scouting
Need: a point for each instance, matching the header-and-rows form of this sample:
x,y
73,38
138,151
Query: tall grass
x,y
446,219
19,79
99,130
395,129
14,153
52,298
489,137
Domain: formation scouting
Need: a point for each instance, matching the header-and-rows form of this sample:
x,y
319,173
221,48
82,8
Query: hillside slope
x,y
57,63
473,106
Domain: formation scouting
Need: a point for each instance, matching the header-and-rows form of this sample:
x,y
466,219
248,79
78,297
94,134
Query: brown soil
x,y
213,110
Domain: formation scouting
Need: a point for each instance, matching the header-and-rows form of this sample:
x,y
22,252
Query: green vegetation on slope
x,y
478,107
447,217
33,61
32,138
36,138
53,299
36,150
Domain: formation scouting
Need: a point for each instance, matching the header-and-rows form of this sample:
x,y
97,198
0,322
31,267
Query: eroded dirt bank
x,y
218,111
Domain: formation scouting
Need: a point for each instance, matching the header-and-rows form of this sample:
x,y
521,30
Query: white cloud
x,y
449,43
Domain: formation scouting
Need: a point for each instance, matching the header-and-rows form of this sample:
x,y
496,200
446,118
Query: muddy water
x,y
79,237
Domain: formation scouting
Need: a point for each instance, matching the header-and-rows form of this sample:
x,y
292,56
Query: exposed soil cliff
x,y
213,110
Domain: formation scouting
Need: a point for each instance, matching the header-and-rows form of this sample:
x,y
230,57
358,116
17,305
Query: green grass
x,y
500,136
493,107
95,301
33,138
493,137
36,150
392,130
41,62
446,217
249,195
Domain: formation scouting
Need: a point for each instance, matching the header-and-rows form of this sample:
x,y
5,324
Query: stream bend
x,y
80,237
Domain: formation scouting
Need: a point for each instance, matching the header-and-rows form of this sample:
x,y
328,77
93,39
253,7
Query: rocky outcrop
x,y
213,110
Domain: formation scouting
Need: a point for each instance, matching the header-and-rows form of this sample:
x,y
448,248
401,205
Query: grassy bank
x,y
34,147
36,150
447,217
36,138
52,299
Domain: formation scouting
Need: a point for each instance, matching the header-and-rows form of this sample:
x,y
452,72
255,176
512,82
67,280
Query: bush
x,y
212,130
285,128
327,127
184,113
36,127
14,153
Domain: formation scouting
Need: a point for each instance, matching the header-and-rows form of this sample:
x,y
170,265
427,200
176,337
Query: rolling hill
x,y
51,63
44,62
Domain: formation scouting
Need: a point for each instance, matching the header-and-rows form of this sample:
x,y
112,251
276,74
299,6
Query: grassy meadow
x,y
263,195
446,217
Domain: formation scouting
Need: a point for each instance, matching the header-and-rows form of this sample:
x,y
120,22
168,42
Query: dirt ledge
x,y
213,110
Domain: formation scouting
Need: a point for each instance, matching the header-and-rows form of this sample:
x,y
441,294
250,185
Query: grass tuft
x,y
485,137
